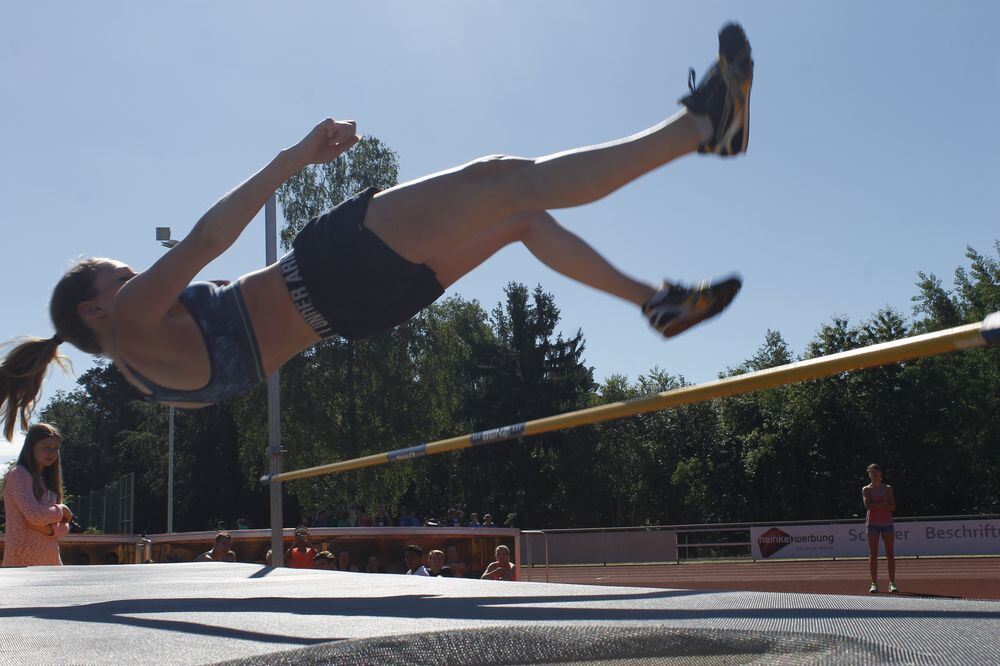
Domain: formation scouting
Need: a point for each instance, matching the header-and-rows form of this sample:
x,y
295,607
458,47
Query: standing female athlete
x,y
373,261
880,503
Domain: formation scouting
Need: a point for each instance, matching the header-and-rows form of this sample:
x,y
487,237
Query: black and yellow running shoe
x,y
674,308
723,94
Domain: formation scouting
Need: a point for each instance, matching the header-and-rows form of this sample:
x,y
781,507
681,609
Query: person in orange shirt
x,y
301,555
32,495
880,503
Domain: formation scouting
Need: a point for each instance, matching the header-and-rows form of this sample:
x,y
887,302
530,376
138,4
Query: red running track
x,y
959,577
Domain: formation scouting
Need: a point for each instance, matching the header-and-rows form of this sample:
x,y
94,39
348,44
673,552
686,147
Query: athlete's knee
x,y
495,166
525,225
498,172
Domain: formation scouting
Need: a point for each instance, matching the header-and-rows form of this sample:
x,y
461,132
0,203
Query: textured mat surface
x,y
569,644
211,612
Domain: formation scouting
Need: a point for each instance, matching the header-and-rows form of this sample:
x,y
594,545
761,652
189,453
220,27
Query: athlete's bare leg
x,y
890,556
873,554
555,246
426,217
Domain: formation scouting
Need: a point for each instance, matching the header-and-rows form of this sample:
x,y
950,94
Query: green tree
x,y
959,456
109,431
318,188
524,371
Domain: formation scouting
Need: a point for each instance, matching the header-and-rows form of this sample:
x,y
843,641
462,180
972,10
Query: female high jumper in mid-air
x,y
372,262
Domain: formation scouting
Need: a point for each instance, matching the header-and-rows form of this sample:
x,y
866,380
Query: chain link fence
x,y
108,510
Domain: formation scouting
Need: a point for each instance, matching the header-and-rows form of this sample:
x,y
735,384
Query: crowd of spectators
x,y
446,563
404,517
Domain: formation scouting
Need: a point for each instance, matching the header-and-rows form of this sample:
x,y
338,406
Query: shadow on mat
x,y
490,609
927,595
112,613
262,572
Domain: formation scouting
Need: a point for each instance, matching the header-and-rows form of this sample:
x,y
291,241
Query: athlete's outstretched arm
x,y
149,295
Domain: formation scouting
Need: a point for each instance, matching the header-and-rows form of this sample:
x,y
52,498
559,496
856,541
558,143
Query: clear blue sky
x,y
873,149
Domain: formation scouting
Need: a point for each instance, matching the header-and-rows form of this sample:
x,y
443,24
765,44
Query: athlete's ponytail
x,y
21,377
21,373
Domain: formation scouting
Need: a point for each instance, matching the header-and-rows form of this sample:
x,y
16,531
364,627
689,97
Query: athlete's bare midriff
x,y
280,330
181,360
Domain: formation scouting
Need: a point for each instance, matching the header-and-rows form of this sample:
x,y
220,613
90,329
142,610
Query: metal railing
x,y
686,546
110,509
527,549
686,531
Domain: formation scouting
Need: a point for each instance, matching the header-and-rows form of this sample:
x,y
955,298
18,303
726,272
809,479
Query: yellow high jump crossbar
x,y
953,339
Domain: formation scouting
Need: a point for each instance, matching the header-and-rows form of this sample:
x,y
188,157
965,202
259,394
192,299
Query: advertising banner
x,y
951,537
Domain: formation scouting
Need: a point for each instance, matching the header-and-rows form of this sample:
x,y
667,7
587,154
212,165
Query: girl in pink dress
x,y
32,496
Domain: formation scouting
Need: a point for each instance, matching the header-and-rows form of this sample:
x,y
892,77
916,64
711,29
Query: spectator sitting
x,y
220,552
501,569
405,516
455,517
364,520
488,520
242,524
322,519
510,521
344,561
413,555
383,519
324,560
437,566
301,554
456,565
373,566
474,520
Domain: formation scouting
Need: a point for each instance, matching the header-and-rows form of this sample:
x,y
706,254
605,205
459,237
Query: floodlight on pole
x,y
163,235
274,449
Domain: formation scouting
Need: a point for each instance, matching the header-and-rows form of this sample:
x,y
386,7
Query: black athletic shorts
x,y
345,281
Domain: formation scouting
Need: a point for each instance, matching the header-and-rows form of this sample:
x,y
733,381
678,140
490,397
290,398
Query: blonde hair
x,y
22,372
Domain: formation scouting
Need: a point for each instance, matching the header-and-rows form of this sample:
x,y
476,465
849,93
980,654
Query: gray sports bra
x,y
234,357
